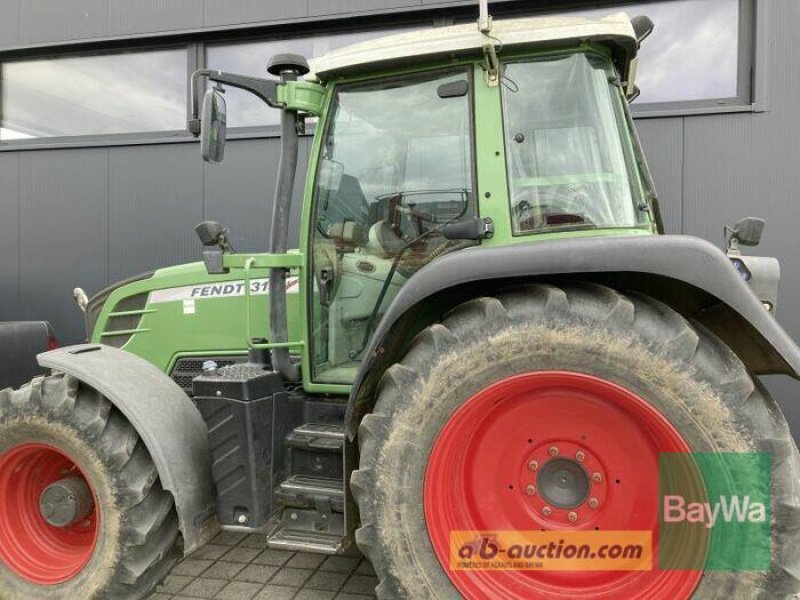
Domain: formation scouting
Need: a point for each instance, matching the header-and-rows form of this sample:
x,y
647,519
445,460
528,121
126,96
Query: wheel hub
x,y
66,501
563,483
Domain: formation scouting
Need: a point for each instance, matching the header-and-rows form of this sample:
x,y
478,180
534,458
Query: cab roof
x,y
405,49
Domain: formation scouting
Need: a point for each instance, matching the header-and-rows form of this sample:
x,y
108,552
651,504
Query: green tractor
x,y
484,333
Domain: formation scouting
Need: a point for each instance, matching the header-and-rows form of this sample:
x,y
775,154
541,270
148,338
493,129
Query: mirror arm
x,y
265,89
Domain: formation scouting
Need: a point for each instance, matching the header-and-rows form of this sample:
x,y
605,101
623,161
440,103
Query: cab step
x,y
308,491
316,450
308,531
322,437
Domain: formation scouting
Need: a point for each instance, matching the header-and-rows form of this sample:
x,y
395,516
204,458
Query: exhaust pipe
x,y
289,67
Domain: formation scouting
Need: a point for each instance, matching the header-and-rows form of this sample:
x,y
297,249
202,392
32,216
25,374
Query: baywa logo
x,y
731,509
715,511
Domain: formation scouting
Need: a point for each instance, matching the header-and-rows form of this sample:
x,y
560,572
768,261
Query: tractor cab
x,y
504,142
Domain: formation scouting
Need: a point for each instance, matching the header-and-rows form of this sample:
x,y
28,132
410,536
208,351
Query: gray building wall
x,y
91,216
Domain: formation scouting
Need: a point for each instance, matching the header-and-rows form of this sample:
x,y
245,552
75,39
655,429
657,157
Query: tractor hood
x,y
184,311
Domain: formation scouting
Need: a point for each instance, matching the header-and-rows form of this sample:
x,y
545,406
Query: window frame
x,y
99,139
750,97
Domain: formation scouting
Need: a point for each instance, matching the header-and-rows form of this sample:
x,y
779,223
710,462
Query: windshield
x,y
569,161
395,167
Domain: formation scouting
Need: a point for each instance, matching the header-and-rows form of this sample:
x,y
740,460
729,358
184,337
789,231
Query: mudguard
x,y
166,420
690,274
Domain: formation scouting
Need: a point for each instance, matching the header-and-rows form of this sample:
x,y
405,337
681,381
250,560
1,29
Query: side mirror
x,y
211,233
748,231
213,126
214,237
642,27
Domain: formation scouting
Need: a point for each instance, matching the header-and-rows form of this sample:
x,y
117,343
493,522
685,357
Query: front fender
x,y
688,273
165,419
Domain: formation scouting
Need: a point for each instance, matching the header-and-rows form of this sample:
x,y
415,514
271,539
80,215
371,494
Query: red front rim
x,y
29,545
481,476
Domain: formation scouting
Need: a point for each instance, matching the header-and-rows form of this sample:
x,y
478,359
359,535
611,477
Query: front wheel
x,y
549,409
82,512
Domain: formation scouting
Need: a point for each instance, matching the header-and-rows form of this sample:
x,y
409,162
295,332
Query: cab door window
x,y
395,167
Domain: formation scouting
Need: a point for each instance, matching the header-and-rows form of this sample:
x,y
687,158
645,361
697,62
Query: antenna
x,y
484,20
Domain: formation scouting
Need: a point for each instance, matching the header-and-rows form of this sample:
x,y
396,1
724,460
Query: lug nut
x,y
572,517
530,490
547,511
533,465
579,456
553,450
597,478
594,502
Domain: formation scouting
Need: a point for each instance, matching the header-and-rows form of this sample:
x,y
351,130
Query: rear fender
x,y
165,419
689,274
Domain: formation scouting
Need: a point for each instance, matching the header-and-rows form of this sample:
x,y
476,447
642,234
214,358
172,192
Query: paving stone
x,y
360,584
229,538
339,564
210,551
276,592
306,560
221,571
365,568
292,577
174,583
204,587
239,590
305,594
275,558
192,567
254,540
240,554
257,573
224,570
326,580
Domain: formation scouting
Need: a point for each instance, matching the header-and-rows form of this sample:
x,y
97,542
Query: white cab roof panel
x,y
615,31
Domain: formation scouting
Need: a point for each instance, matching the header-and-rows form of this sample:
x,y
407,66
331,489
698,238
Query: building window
x,y
93,95
251,58
699,54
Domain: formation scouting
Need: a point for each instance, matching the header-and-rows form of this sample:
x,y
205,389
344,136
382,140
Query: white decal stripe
x,y
223,289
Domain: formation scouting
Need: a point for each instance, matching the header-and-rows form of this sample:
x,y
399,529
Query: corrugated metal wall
x,y
92,216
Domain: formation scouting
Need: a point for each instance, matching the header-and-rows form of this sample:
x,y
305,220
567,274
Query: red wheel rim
x,y
29,545
479,477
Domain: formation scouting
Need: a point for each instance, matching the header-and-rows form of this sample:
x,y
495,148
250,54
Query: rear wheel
x,y
82,512
547,408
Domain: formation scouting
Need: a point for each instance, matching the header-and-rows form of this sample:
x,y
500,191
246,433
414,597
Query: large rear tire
x,y
54,430
558,370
